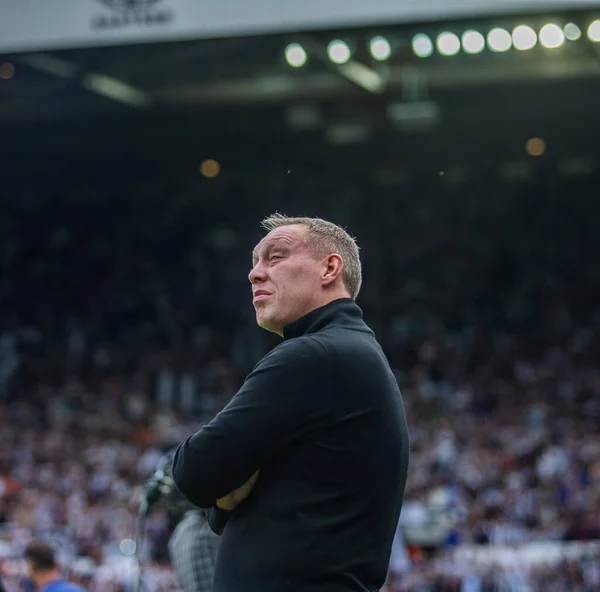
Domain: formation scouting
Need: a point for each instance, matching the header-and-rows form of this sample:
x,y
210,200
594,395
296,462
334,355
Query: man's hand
x,y
232,500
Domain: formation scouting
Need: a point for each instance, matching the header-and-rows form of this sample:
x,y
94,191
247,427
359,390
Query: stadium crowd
x,y
118,342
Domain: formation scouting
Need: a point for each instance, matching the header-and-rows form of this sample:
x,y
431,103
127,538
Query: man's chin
x,y
264,322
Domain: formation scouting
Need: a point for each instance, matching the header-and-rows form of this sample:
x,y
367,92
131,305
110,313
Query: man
x,y
193,545
43,569
305,468
193,551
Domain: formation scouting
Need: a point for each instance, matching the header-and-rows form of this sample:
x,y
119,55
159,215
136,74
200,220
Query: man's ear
x,y
334,265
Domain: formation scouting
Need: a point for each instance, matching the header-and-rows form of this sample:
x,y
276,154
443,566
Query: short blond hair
x,y
323,239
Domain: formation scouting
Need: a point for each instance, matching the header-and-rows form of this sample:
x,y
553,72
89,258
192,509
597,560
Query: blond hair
x,y
324,238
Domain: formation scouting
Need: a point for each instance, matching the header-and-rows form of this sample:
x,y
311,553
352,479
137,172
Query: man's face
x,y
286,278
32,573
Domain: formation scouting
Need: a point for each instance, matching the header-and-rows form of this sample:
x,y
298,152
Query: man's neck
x,y
330,296
47,578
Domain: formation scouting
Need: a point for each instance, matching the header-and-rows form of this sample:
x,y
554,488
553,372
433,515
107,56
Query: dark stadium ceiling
x,y
220,91
243,71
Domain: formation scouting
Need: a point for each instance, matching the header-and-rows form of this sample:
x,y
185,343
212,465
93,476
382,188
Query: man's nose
x,y
257,274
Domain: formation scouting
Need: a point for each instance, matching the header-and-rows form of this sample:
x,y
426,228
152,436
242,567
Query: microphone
x,y
161,485
157,486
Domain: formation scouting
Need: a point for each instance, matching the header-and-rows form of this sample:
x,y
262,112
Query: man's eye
x,y
274,257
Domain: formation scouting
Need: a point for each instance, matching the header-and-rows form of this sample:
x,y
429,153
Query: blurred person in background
x,y
193,551
193,545
321,417
44,570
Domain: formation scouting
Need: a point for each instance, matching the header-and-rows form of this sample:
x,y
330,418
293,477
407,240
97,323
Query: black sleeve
x,y
217,519
284,398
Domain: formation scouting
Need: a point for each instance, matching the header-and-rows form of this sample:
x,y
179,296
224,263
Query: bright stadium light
x,y
448,44
381,49
499,40
524,38
422,45
472,42
552,36
593,32
339,52
295,55
572,32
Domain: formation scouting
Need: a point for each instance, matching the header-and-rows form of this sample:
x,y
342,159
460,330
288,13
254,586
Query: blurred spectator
x,y
44,571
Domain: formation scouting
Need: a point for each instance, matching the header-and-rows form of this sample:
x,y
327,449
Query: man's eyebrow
x,y
275,244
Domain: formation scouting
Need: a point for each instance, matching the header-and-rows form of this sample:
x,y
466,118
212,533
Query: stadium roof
x,y
216,92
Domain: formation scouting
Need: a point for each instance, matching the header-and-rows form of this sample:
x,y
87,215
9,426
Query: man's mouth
x,y
260,295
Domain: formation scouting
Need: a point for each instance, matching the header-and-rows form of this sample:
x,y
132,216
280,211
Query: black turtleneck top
x,y
321,417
